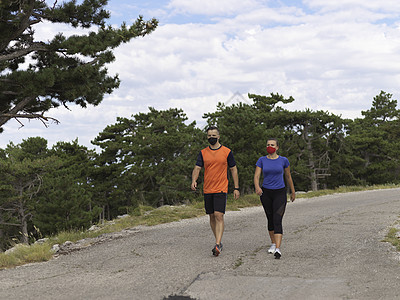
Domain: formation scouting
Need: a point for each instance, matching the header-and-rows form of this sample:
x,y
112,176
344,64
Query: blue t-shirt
x,y
273,170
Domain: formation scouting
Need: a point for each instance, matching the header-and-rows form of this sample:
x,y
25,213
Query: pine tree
x,y
147,159
63,70
374,140
65,200
21,181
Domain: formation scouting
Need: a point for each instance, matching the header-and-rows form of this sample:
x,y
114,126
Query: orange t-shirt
x,y
216,163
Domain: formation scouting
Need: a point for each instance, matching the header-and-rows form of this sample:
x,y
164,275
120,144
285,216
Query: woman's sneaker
x,y
277,253
216,250
272,249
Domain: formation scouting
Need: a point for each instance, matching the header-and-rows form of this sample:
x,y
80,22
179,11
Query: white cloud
x,y
212,7
349,5
331,57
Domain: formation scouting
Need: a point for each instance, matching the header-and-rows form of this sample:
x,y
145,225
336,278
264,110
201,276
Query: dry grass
x,y
24,254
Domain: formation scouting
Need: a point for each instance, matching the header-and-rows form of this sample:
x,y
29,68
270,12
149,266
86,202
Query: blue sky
x,y
329,55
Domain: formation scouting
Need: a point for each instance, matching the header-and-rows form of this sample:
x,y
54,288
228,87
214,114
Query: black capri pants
x,y
274,203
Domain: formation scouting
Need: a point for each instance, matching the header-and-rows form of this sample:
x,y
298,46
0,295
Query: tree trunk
x,y
24,226
311,162
102,215
314,182
1,235
367,160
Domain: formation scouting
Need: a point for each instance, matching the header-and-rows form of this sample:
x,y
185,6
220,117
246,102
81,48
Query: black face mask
x,y
212,140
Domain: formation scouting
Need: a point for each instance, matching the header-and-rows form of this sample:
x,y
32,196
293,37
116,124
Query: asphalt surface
x,y
332,249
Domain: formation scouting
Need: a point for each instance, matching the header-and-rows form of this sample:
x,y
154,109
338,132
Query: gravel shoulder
x,y
332,249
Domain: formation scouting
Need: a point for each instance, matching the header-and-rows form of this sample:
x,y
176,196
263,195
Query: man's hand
x,y
236,194
193,186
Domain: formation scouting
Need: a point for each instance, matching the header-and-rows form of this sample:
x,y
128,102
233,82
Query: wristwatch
x,y
237,189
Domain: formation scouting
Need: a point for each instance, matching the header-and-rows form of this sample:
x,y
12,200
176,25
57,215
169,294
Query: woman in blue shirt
x,y
273,191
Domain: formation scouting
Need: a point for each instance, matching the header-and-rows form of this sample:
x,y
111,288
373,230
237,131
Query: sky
x,y
334,56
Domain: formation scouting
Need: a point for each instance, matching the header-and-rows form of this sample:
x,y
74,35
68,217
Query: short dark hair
x,y
212,128
273,139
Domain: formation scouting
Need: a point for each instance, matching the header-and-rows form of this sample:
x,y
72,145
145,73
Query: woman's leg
x,y
266,201
272,237
279,206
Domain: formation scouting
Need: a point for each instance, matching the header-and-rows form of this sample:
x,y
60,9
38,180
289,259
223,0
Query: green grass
x,y
392,238
148,216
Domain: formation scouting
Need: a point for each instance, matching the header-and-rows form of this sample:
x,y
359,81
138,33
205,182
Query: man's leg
x,y
219,226
213,224
217,222
209,207
219,212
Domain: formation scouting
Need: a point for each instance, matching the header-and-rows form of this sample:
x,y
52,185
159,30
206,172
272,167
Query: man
x,y
216,159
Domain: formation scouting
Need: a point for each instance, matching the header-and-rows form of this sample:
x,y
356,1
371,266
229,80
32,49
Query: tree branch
x,y
386,156
13,112
40,117
24,24
10,224
6,80
38,46
7,209
9,93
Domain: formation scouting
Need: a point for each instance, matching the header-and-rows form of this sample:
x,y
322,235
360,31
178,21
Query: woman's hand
x,y
292,197
258,191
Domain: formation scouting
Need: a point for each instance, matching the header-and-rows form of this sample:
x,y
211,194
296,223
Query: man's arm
x,y
235,176
257,174
195,176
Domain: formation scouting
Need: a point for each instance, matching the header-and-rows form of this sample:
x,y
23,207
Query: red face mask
x,y
271,150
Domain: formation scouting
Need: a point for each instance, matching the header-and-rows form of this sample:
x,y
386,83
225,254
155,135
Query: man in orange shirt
x,y
216,159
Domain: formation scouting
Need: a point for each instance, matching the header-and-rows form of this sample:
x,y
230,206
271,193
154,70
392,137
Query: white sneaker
x,y
272,249
277,253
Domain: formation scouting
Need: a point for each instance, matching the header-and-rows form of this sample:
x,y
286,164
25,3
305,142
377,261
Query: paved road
x,y
332,249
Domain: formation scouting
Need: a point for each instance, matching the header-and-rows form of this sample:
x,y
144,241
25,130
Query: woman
x,y
273,192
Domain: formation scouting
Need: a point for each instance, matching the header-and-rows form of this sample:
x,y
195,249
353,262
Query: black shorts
x,y
215,202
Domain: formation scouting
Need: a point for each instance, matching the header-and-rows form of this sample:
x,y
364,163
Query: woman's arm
x,y
289,181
